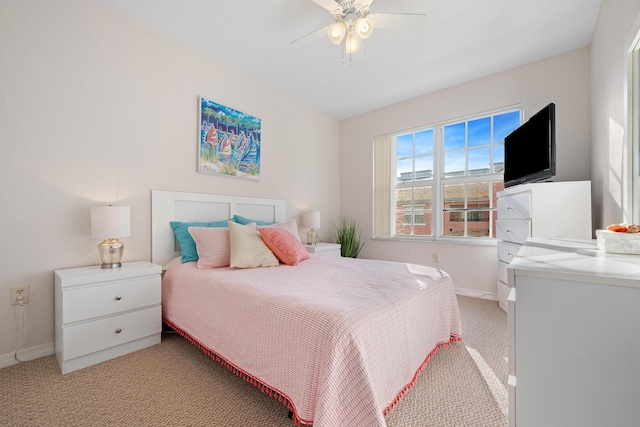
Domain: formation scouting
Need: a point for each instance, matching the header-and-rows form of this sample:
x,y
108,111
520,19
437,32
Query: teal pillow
x,y
187,244
244,221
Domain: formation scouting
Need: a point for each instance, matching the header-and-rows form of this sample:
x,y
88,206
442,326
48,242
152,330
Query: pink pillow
x,y
284,245
213,245
291,226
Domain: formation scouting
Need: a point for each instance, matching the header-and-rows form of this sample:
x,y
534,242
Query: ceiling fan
x,y
353,23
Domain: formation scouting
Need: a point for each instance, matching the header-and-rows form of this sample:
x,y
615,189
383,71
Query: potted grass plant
x,y
348,236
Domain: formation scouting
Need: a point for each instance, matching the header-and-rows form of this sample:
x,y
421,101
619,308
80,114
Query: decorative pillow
x,y
244,220
247,248
213,245
284,245
187,245
291,226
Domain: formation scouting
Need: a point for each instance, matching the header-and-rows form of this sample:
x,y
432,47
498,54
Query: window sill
x,y
448,240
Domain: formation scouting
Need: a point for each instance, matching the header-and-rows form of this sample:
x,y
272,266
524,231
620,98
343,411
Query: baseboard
x,y
476,294
27,354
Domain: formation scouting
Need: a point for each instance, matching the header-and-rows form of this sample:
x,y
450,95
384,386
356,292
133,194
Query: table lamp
x,y
311,220
110,223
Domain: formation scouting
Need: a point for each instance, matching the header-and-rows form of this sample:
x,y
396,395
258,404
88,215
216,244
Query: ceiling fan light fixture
x,y
337,32
364,27
352,44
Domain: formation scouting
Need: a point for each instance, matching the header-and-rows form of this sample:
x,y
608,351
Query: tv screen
x,y
530,150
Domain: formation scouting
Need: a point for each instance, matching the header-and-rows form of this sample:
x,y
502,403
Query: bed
x,y
339,341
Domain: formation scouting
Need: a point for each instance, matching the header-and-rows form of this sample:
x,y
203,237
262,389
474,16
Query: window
x,y
413,189
442,180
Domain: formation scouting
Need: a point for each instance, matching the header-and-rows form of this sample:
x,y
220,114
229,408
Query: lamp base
x,y
110,251
312,237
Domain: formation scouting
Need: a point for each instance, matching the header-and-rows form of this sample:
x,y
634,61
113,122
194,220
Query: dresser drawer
x,y
106,298
507,251
515,206
92,336
513,230
502,272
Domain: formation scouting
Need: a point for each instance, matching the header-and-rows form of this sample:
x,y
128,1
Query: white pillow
x,y
291,226
247,248
213,245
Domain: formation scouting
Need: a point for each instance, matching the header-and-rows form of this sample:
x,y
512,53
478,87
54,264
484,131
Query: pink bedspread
x,y
340,340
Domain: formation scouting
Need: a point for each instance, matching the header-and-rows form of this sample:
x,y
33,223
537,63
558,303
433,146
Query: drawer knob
x,y
509,254
508,230
509,208
118,330
118,298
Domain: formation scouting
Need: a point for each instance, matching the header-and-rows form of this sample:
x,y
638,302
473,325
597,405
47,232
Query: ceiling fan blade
x,y
330,5
312,36
397,20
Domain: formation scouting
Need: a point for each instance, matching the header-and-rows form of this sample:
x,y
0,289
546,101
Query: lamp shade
x,y
337,32
110,222
352,43
311,219
364,27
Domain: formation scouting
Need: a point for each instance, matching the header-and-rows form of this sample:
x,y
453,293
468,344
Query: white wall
x,y
95,107
563,79
609,62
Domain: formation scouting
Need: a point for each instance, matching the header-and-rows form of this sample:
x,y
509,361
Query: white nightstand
x,y
101,313
324,249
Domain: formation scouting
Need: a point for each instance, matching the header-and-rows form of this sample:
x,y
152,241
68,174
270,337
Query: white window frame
x,y
438,180
421,183
631,172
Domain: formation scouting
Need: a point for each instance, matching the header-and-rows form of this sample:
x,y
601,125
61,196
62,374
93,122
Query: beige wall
x,y
609,150
563,79
94,107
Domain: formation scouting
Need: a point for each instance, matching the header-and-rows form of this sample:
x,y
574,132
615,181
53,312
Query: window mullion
x,y
466,209
393,186
438,201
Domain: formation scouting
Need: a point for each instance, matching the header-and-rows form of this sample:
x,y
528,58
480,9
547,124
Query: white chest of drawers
x,y
101,314
547,209
574,344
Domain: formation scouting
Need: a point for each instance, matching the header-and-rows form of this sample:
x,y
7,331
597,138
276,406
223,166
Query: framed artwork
x,y
229,141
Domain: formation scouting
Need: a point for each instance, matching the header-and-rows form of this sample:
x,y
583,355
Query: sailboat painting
x,y
229,141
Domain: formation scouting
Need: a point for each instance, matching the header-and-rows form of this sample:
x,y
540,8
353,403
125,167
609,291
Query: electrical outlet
x,y
435,256
20,295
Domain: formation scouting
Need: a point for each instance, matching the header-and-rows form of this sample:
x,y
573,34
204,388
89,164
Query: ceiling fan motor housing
x,y
348,11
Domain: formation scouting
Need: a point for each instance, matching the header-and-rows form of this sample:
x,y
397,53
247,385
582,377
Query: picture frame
x,y
229,141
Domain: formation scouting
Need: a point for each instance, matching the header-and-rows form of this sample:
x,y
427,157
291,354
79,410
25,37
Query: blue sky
x,y
456,146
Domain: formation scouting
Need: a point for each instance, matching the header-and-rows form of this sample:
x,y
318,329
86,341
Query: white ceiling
x,y
461,40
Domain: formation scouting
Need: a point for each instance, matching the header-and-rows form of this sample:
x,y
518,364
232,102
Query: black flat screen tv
x,y
530,150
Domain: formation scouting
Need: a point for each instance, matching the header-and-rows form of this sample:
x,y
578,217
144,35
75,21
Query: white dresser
x,y
574,336
547,209
105,313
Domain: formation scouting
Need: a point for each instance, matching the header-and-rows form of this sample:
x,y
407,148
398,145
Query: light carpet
x,y
176,384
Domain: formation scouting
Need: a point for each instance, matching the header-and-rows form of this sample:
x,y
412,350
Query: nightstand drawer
x,y
89,337
513,230
110,297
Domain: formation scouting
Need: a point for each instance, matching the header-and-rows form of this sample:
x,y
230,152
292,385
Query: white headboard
x,y
167,206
